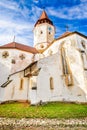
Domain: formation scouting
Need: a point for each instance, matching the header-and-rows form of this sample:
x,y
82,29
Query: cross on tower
x,y
67,28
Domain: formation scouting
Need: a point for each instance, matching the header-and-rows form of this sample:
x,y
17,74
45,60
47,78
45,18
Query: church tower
x,y
44,31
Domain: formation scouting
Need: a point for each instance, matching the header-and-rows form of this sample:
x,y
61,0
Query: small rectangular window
x,y
34,88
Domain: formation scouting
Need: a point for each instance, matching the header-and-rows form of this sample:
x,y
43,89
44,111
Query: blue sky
x,y
17,17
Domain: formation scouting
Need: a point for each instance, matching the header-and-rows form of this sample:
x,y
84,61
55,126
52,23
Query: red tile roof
x,y
43,15
44,19
70,33
19,46
65,34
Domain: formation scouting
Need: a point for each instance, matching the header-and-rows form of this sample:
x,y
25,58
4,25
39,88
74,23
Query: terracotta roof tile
x,y
70,33
19,46
43,15
65,34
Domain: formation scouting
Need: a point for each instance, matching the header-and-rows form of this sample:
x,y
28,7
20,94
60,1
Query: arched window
x,y
83,44
66,68
64,62
33,83
21,83
51,83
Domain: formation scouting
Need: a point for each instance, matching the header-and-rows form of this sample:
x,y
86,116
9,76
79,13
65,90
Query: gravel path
x,y
42,124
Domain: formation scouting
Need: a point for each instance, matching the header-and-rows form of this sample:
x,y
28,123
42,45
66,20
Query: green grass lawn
x,y
50,110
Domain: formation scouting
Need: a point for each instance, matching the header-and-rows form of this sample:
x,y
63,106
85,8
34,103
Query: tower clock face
x,y
50,29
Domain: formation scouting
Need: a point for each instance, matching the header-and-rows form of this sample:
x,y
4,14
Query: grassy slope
x,y
50,110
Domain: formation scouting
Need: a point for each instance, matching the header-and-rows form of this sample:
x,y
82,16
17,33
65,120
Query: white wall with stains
x,y
51,68
16,90
6,65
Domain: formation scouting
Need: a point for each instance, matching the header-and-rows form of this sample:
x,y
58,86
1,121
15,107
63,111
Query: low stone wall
x,y
12,123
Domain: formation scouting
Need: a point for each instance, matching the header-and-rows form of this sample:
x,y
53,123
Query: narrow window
x,y
84,59
49,32
83,44
13,61
51,83
66,69
41,32
33,83
21,83
64,62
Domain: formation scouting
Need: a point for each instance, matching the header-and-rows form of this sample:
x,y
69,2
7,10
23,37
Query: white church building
x,y
52,70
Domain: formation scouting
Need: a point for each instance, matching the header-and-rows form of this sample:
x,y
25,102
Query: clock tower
x,y
44,31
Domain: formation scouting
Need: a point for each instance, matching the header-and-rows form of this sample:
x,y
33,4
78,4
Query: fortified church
x,y
52,70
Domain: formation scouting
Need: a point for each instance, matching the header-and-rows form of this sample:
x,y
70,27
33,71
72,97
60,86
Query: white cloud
x,y
75,12
8,4
21,30
14,21
18,19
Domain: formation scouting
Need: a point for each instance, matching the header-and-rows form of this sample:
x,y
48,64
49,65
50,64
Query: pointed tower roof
x,y
43,15
43,19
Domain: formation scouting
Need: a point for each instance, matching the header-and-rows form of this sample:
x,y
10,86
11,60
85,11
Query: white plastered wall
x,y
52,67
13,91
6,66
